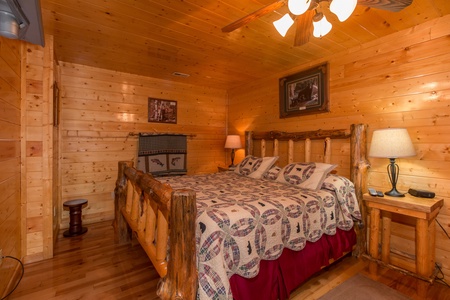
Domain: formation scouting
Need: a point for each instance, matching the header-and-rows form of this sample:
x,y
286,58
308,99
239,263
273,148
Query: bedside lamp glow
x,y
392,143
233,142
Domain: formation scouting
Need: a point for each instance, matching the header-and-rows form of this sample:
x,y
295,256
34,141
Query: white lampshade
x,y
391,143
298,7
343,8
321,25
282,25
233,142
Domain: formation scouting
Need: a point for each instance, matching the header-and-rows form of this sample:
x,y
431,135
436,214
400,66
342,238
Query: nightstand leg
x,y
425,231
386,237
374,238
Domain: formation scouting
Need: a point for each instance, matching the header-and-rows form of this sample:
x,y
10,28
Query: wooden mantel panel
x,y
38,172
99,110
401,80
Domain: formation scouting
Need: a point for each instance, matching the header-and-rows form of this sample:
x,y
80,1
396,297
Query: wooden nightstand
x,y
423,211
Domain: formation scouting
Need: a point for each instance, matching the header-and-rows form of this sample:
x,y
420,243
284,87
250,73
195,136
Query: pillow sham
x,y
255,167
272,174
305,175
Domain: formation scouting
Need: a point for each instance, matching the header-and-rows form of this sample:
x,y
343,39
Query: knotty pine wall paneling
x,y
402,80
10,119
99,110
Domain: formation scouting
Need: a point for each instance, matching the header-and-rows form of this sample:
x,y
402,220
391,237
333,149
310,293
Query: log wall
x,y
99,110
402,80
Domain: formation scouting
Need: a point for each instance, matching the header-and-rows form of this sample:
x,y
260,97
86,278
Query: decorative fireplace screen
x,y
162,154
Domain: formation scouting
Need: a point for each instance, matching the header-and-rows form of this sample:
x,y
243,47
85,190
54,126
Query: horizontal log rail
x,y
157,214
298,136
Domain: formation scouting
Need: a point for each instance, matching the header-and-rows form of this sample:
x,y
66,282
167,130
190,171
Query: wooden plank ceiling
x,y
157,37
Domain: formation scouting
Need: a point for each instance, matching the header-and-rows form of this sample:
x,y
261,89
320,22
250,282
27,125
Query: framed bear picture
x,y
305,92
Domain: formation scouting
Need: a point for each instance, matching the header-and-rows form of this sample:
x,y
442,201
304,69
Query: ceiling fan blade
x,y
303,28
253,16
391,5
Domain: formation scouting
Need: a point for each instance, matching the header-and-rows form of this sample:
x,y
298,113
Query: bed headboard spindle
x,y
290,151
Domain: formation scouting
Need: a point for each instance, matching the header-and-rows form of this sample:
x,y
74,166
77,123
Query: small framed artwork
x,y
162,111
305,92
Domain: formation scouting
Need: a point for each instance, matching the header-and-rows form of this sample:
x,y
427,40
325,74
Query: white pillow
x,y
255,167
305,175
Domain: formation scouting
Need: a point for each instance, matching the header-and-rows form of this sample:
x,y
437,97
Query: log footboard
x,y
155,214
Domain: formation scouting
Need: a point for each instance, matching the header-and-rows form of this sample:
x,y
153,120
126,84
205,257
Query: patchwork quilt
x,y
242,220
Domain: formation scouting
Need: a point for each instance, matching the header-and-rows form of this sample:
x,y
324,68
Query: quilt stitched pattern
x,y
242,220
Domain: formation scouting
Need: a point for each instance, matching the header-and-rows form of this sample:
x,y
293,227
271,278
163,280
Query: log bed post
x,y
181,279
121,228
359,167
248,143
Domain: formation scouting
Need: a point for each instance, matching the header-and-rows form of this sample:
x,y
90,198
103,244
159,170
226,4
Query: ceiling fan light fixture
x,y
298,7
321,25
9,27
282,25
343,8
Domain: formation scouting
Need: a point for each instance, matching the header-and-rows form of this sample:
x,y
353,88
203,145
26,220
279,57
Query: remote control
x,y
372,192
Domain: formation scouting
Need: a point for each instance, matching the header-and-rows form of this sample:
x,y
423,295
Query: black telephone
x,y
421,193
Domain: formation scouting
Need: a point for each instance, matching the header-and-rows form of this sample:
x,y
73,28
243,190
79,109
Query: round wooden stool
x,y
75,226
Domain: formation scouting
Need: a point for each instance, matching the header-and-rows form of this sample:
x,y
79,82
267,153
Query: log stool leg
x,y
75,225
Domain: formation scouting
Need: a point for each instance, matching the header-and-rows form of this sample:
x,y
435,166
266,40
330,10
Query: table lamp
x,y
392,143
233,142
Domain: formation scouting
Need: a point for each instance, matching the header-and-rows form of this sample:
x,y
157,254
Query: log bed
x,y
163,219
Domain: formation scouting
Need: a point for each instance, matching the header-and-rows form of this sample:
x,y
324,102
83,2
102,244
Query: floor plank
x,y
92,266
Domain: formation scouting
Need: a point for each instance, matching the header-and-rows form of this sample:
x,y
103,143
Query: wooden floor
x,y
93,267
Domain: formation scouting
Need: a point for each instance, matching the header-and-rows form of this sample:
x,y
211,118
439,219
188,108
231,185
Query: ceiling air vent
x,y
179,74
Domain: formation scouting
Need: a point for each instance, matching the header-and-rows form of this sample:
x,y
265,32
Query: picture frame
x,y
162,111
305,92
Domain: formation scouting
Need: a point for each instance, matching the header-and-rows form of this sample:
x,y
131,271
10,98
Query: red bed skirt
x,y
278,278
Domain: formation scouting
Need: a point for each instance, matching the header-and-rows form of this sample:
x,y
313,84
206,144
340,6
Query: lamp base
x,y
394,193
393,171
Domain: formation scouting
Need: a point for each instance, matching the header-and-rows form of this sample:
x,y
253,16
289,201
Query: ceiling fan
x,y
308,14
